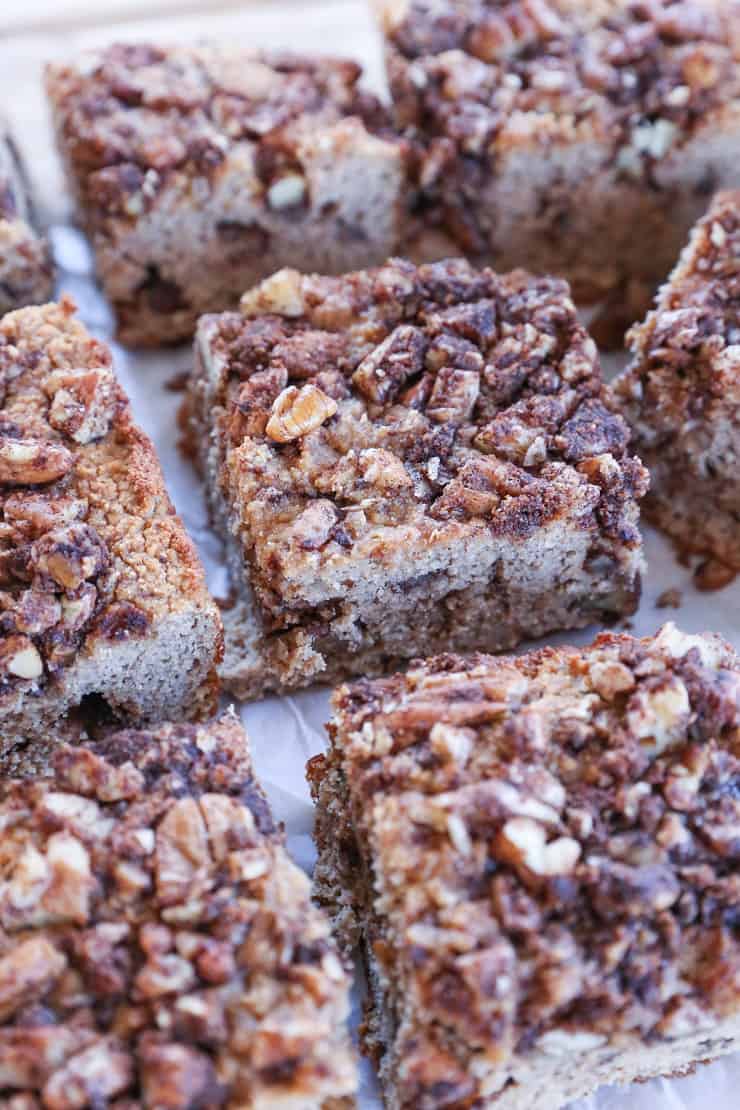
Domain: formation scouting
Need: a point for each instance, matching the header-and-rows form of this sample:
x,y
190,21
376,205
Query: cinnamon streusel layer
x,y
409,459
681,394
539,856
158,949
102,597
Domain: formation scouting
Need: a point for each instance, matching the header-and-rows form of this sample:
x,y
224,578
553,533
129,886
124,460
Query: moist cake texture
x,y
200,170
681,393
577,139
102,596
409,459
539,856
158,947
25,262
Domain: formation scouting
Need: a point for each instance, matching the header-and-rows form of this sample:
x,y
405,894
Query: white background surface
x,y
284,732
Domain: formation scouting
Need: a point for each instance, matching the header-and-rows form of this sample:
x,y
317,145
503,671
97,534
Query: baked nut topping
x,y
91,554
539,857
158,946
681,395
25,258
543,133
199,171
391,454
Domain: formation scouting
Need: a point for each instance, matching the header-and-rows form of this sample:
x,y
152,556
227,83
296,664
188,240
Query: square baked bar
x,y
199,171
102,596
580,139
159,949
681,394
406,460
540,858
25,261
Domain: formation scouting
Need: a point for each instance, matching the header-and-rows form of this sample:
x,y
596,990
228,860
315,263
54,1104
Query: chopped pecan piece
x,y
296,412
26,462
82,402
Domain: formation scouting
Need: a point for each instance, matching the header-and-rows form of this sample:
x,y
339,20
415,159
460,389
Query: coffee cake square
x,y
681,394
159,948
102,596
405,460
579,139
200,170
539,858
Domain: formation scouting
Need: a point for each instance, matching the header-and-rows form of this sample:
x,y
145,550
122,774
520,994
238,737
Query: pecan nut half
x,y
30,462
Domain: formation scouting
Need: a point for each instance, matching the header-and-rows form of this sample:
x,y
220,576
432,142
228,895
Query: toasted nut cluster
x,y
546,839
159,947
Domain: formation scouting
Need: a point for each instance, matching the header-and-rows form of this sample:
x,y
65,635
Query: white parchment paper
x,y
286,732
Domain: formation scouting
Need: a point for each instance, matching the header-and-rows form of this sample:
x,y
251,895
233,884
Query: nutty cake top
x,y
487,75
687,363
90,548
132,115
554,841
408,405
157,945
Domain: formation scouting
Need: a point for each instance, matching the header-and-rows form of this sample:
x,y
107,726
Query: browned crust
x,y
166,952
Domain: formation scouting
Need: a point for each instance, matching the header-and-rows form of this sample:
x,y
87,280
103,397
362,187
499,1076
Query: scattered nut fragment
x,y
658,712
83,403
69,556
89,1078
382,373
281,294
19,657
288,191
31,462
26,973
523,842
454,396
296,412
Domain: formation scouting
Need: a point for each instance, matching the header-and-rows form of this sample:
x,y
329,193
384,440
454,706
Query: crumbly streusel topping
x,y
554,844
687,352
157,947
131,115
404,404
90,548
473,78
